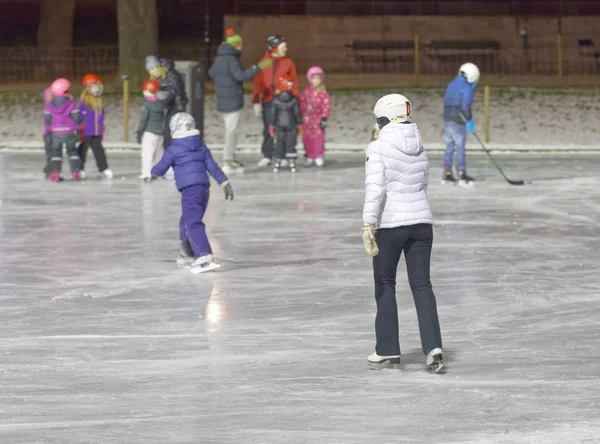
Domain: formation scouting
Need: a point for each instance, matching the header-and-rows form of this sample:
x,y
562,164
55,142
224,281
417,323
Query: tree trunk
x,y
138,37
55,39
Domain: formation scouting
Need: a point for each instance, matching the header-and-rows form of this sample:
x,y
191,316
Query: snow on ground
x,y
517,115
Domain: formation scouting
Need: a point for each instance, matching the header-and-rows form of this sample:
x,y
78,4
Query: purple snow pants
x,y
194,201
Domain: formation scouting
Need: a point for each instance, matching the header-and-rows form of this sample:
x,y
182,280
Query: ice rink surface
x,y
104,340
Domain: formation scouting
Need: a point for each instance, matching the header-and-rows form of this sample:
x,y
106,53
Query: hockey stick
x,y
512,182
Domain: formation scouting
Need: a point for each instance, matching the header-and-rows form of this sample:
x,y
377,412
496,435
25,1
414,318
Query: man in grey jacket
x,y
229,76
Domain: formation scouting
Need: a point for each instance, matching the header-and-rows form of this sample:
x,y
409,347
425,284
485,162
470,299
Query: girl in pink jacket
x,y
316,107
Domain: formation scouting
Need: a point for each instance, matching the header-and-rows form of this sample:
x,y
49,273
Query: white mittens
x,y
369,240
257,109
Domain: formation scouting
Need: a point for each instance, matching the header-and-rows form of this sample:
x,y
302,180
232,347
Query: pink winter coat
x,y
314,105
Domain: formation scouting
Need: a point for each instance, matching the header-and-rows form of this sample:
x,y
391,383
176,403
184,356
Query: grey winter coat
x,y
285,112
153,118
229,77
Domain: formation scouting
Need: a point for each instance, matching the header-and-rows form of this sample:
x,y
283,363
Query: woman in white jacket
x,y
397,219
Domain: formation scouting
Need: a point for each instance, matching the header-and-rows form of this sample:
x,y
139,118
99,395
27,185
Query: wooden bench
x,y
382,55
451,54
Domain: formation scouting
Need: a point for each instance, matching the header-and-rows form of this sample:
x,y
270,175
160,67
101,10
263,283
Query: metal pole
x,y
126,107
486,112
560,61
417,59
206,36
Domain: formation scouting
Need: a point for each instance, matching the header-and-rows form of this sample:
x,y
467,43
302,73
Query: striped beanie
x,y
232,38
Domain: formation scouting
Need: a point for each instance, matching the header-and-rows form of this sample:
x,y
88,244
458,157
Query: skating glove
x,y
257,110
265,63
323,123
369,240
471,127
300,130
139,138
272,131
228,189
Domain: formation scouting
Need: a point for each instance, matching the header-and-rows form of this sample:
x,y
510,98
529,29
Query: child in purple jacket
x,y
61,119
192,161
92,115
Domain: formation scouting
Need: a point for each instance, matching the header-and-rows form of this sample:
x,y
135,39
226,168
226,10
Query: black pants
x,y
70,141
267,145
167,133
416,242
48,149
285,142
95,142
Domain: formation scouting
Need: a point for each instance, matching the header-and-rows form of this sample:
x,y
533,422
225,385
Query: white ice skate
x,y
107,173
204,264
82,175
319,162
308,162
264,162
376,362
232,167
185,261
434,360
284,163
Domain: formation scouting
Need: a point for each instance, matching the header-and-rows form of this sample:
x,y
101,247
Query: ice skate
x,y
186,254
434,360
204,264
82,175
233,167
264,162
308,162
284,163
292,165
277,165
107,173
448,178
464,180
55,177
319,162
75,175
376,362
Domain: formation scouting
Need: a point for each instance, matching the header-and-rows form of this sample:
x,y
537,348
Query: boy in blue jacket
x,y
458,100
192,162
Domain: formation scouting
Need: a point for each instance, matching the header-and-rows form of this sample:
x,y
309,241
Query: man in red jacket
x,y
263,89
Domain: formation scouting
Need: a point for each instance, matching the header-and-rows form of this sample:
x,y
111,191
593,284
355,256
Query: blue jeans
x,y
455,136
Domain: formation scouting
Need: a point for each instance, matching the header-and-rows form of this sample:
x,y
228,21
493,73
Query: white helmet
x,y
392,108
182,122
470,72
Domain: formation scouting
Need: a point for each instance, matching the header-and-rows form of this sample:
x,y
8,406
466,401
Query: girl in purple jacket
x,y
192,162
92,116
61,119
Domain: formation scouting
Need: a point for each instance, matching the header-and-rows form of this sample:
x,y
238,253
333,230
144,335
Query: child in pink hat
x,y
316,107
